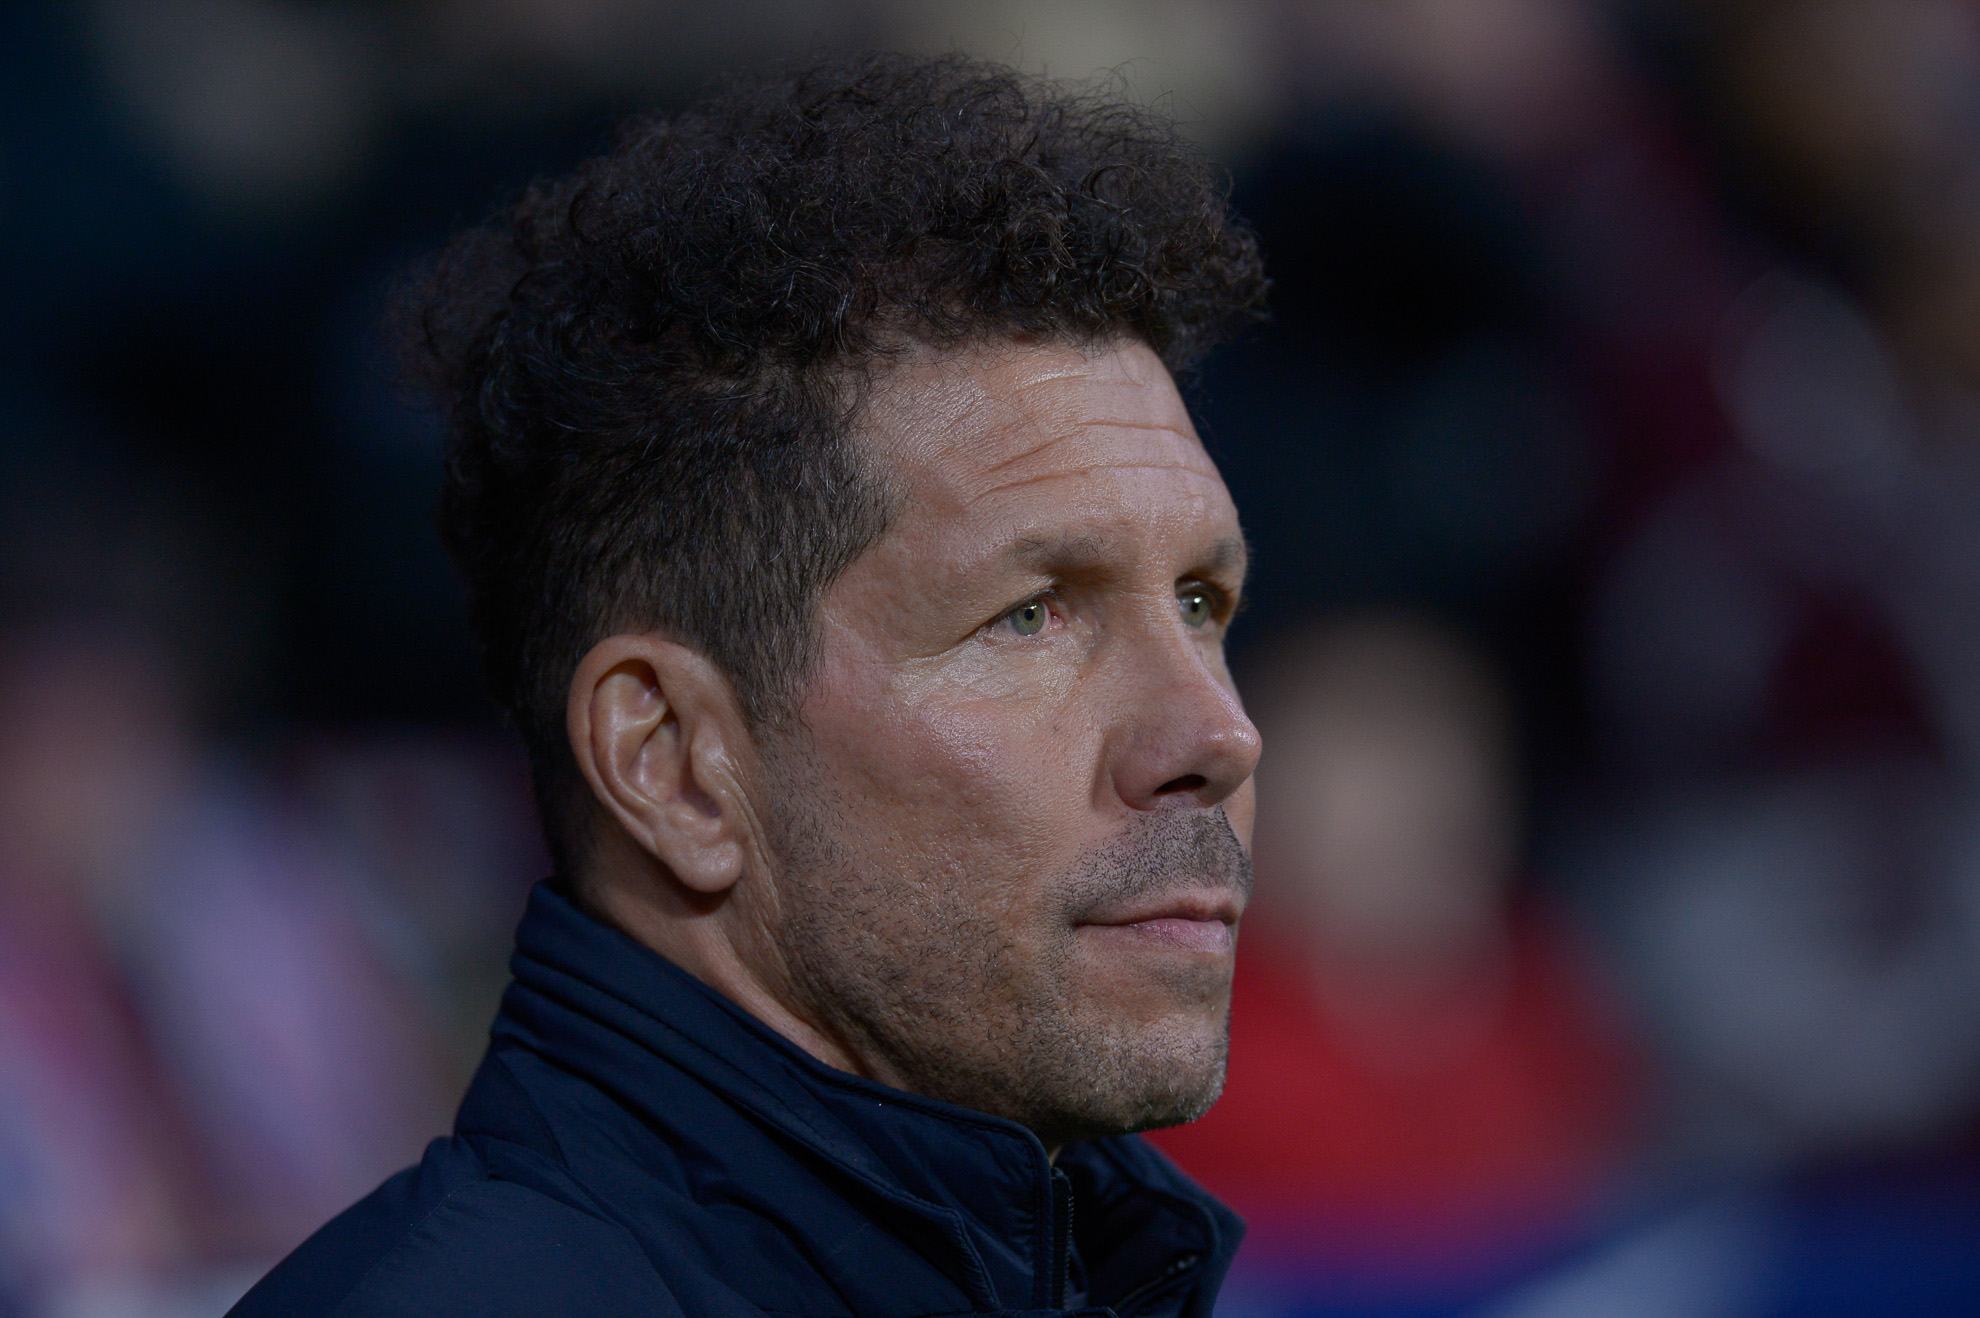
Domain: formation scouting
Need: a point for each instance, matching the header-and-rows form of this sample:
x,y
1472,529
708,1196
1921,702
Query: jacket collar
x,y
976,1190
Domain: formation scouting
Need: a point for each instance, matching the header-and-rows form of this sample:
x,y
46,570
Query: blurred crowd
x,y
1612,467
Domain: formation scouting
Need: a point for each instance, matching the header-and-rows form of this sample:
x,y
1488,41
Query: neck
x,y
699,934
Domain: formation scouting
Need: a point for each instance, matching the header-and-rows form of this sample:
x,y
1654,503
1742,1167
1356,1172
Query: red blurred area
x,y
1420,1146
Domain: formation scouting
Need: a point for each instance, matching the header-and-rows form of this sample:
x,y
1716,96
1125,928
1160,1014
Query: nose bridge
x,y
1182,733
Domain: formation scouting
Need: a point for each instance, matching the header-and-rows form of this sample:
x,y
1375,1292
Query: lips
x,y
1219,905
1198,921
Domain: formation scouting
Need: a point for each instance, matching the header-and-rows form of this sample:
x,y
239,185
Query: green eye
x,y
1196,607
1030,617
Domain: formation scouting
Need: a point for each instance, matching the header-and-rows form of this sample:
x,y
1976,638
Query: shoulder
x,y
445,1238
495,1249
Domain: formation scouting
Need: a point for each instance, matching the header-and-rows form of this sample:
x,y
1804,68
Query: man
x,y
838,541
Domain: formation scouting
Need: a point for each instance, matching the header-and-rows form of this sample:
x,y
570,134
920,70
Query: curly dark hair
x,y
652,367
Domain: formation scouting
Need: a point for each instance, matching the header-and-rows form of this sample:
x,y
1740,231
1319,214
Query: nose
x,y
1182,737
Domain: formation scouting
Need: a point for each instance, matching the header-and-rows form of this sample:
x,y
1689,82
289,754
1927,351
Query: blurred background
x,y
1613,470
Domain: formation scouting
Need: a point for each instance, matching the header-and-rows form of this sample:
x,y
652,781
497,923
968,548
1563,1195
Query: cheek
x,y
946,780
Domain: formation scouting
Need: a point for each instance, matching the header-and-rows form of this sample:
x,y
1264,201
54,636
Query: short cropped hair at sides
x,y
651,368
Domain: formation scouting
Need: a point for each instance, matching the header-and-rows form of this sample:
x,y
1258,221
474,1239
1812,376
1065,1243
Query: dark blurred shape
x,y
1785,669
1786,660
1402,431
1852,129
1428,1095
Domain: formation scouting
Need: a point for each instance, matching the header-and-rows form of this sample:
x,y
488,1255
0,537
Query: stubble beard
x,y
915,970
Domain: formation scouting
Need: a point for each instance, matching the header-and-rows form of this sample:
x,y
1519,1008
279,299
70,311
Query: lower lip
x,y
1211,936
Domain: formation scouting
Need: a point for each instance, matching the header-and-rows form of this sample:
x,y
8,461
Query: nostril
x,y
1189,782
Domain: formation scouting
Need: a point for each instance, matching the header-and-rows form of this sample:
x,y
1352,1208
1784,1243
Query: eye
x,y
1030,617
1197,605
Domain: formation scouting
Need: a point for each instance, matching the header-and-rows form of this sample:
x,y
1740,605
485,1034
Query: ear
x,y
659,735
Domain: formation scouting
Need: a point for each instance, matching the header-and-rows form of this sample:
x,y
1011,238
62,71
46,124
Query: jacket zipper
x,y
1062,1211
1177,1267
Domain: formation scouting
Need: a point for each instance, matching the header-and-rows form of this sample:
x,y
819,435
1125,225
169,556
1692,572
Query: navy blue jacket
x,y
636,1144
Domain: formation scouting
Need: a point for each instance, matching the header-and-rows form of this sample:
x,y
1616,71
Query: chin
x,y
1163,1073
1183,1070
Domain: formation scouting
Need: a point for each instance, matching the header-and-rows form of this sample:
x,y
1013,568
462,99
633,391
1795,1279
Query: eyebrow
x,y
1226,556
1229,556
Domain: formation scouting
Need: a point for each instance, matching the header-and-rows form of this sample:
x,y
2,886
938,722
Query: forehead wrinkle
x,y
1144,412
923,410
1074,426
1060,473
1031,380
958,451
1184,453
1048,442
1108,423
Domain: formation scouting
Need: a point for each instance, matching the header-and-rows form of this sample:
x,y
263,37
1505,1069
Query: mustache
x,y
1157,854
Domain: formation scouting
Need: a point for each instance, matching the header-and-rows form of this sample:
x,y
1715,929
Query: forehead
x,y
1005,427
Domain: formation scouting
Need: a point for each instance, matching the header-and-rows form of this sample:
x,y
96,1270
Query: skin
x,y
1000,855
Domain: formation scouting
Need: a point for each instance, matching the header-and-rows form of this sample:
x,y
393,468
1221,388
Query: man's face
x,y
1012,826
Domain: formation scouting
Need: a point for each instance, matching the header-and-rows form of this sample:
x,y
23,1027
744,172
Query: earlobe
x,y
650,725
